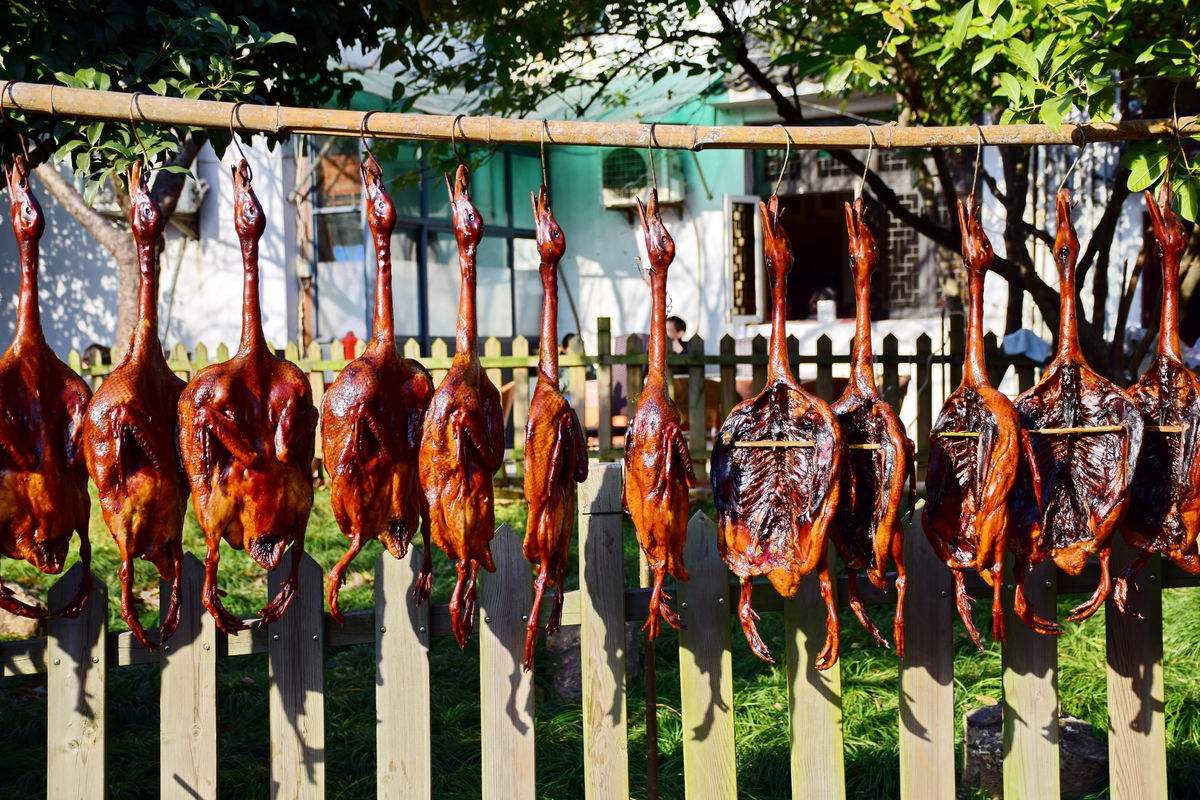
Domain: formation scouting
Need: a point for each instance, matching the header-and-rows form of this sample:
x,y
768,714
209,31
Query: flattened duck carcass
x,y
371,420
658,466
1164,508
867,529
774,468
129,437
43,479
970,478
1073,487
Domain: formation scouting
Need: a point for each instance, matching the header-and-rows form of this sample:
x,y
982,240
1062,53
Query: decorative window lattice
x,y
741,259
904,255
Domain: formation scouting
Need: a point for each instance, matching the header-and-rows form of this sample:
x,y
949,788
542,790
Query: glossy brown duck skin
x,y
462,445
247,429
1164,507
775,504
129,437
371,420
658,466
1073,489
43,480
867,528
966,517
555,447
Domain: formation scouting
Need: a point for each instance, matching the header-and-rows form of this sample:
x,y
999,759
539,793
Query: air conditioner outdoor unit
x,y
190,199
626,176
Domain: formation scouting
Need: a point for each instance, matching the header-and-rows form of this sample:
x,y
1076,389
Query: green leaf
x,y
985,57
1021,54
1043,48
1052,111
280,38
1187,192
962,20
1010,87
893,21
94,131
988,7
159,86
177,169
835,81
1146,166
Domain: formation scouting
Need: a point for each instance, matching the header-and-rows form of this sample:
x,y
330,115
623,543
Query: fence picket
x,y
403,757
505,689
602,635
926,675
633,375
222,352
75,693
697,416
1030,680
200,356
957,345
924,388
891,371
706,668
825,368
1137,748
187,767
492,348
604,385
758,350
412,349
729,393
576,378
297,695
438,349
180,357
520,405
814,698
316,385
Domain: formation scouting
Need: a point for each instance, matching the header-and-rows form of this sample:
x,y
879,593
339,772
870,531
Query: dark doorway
x,y
816,225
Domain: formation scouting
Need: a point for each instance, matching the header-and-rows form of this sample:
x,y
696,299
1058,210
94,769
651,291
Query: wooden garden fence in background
x,y
77,654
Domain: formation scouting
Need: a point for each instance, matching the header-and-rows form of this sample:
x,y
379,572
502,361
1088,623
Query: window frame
x,y
760,276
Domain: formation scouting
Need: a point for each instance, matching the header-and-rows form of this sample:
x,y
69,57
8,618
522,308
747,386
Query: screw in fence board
x,y
505,689
297,678
316,384
729,393
697,416
634,374
1030,680
76,664
188,694
758,349
957,343
520,405
891,371
602,634
604,433
403,756
814,698
1137,749
926,675
706,668
825,368
924,379
438,349
577,379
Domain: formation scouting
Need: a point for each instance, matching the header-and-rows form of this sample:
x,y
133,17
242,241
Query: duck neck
x,y
778,367
384,328
145,332
657,372
1168,330
548,351
1068,326
252,332
466,335
29,318
862,359
975,372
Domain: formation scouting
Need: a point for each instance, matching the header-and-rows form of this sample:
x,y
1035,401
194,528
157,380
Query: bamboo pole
x,y
67,101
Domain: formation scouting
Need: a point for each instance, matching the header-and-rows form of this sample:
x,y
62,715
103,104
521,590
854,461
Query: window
x,y
742,247
425,275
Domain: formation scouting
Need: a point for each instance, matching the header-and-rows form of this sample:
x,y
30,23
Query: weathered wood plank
x,y
187,767
926,675
957,345
814,698
825,368
505,688
729,393
602,635
76,687
403,756
297,695
634,374
1030,680
491,349
925,409
604,384
758,350
706,668
697,430
316,384
576,378
520,405
891,371
1137,750
438,350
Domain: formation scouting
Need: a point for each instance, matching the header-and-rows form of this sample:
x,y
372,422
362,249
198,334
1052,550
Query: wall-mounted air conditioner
x,y
190,199
626,175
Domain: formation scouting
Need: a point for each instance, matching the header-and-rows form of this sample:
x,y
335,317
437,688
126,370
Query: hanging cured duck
x,y
867,529
462,444
658,466
975,449
1164,509
1085,436
247,429
129,436
774,468
371,421
43,479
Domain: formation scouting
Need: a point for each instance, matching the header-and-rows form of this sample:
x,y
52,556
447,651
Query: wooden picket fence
x,y
77,654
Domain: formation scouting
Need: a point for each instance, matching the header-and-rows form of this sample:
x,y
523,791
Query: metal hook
x,y
457,123
862,182
542,134
1082,146
234,138
786,155
362,134
650,150
978,154
133,127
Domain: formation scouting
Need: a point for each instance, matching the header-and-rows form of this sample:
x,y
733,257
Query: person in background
x,y
676,328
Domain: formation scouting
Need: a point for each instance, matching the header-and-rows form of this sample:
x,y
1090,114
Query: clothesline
x,y
117,106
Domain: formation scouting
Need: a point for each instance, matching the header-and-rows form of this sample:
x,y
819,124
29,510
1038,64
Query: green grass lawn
x,y
869,682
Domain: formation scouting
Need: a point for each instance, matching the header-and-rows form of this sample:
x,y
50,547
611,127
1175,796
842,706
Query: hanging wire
x,y
133,127
862,182
650,149
1082,148
542,134
362,134
234,138
786,154
457,123
978,156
